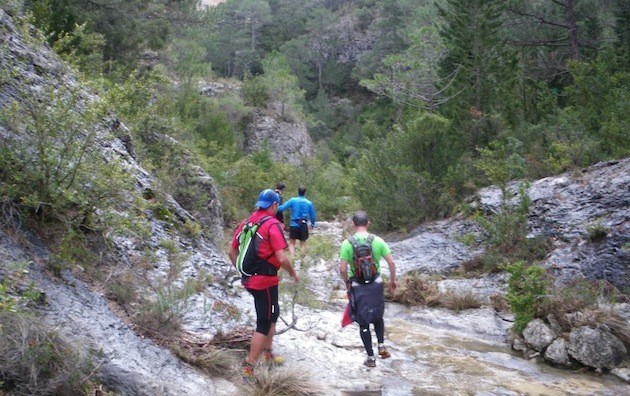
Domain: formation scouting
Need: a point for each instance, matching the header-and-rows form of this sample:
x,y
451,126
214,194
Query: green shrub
x,y
15,294
526,292
468,239
160,314
255,91
122,289
596,232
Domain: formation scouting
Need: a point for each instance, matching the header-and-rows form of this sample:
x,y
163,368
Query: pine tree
x,y
477,72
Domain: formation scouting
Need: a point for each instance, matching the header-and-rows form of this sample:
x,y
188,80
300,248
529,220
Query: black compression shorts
x,y
300,232
267,308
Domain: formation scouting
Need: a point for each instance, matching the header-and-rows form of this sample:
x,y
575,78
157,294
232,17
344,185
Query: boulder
x,y
554,324
538,335
556,353
596,348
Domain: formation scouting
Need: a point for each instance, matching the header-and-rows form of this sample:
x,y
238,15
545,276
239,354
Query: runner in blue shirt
x,y
302,212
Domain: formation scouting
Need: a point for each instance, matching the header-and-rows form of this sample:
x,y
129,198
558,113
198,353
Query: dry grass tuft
x,y
460,301
414,290
607,318
618,326
211,360
35,361
499,303
282,381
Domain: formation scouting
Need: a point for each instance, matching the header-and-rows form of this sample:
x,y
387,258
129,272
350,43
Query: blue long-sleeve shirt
x,y
301,208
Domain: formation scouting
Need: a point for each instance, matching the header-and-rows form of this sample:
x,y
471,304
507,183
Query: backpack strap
x,y
259,224
353,241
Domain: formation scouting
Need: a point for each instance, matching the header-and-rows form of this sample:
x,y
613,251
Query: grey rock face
x,y
434,248
287,141
557,353
538,335
566,207
596,348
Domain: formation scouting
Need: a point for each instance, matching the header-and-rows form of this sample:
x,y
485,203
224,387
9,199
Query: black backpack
x,y
362,260
248,262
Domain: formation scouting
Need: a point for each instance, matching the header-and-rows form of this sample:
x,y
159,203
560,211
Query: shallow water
x,y
445,362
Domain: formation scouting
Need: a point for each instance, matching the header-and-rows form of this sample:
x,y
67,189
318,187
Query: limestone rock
x,y
596,348
538,335
622,373
288,141
557,353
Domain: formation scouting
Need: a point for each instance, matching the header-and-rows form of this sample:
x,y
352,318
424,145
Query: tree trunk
x,y
573,29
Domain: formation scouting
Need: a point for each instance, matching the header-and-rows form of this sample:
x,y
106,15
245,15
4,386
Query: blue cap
x,y
266,198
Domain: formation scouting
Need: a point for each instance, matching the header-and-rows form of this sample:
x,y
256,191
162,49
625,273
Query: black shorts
x,y
300,232
266,303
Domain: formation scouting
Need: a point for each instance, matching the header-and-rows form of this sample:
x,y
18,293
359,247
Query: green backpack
x,y
248,262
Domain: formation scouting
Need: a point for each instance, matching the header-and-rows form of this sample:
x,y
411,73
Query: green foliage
x,y
468,239
51,164
478,70
208,119
321,247
507,228
82,49
14,295
596,232
390,178
601,92
161,310
394,195
122,289
526,292
580,295
329,188
255,91
501,162
282,86
128,26
558,143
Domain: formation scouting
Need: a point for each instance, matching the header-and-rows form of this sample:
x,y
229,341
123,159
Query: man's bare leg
x,y
269,340
292,247
259,341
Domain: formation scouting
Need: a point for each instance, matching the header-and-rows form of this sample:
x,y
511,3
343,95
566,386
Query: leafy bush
x,y
328,187
526,292
321,247
393,181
